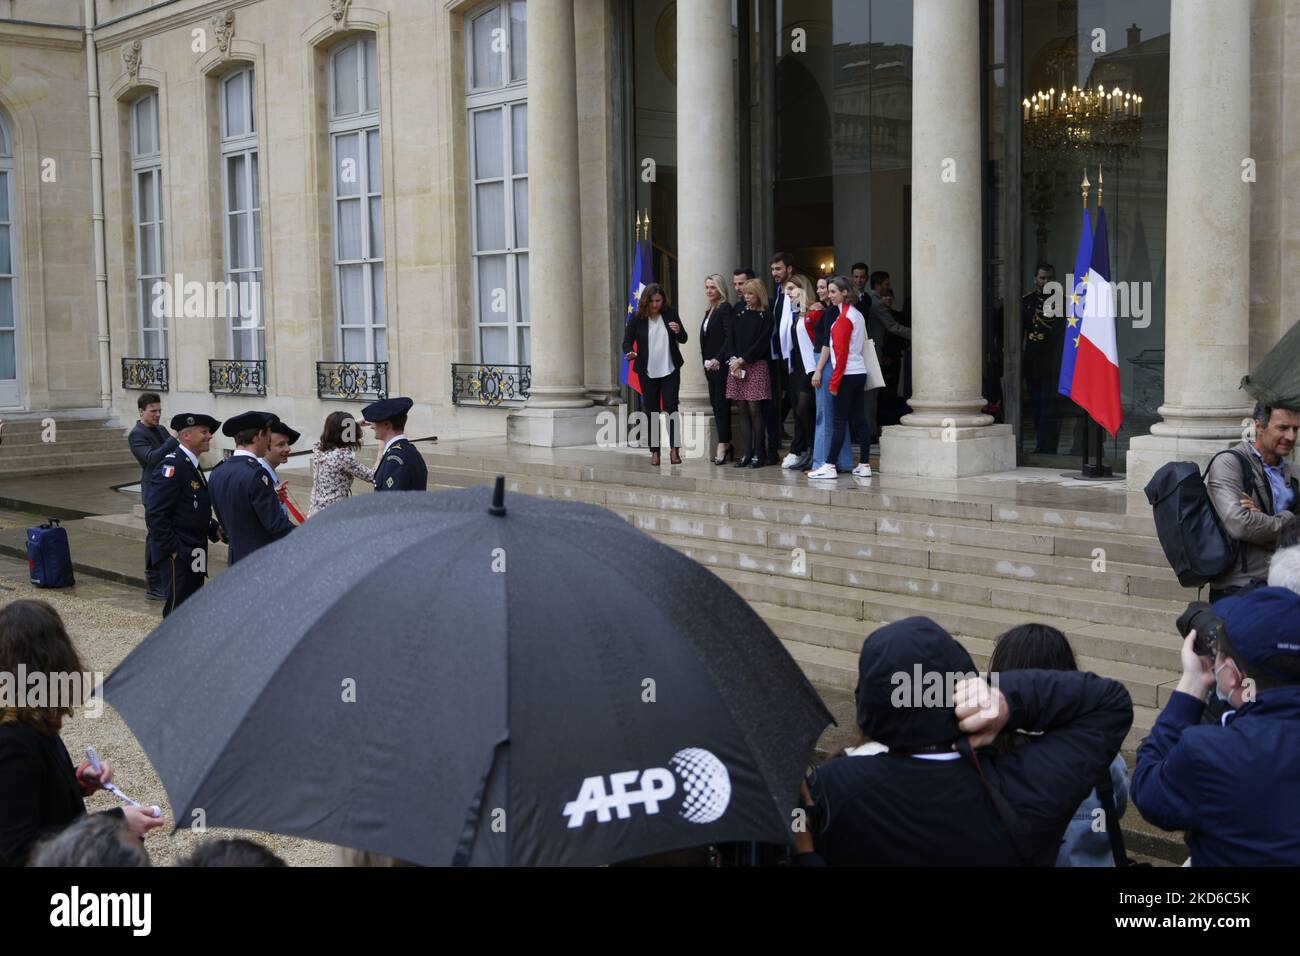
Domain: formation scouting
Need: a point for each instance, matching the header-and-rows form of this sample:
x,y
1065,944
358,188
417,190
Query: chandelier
x,y
1091,121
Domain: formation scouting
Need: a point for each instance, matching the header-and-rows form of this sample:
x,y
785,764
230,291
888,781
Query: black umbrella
x,y
428,677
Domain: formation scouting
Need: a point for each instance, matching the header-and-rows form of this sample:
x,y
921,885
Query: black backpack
x,y
1190,530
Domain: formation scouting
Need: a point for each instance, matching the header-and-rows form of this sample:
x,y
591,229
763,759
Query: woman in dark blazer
x,y
713,336
656,332
745,352
40,790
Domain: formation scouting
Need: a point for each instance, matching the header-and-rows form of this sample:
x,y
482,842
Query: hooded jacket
x,y
920,804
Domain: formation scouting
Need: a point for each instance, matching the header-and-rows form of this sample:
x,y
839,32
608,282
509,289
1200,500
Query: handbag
x,y
875,377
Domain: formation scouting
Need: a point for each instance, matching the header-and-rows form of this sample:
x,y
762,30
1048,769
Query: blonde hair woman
x,y
746,349
849,380
805,311
713,336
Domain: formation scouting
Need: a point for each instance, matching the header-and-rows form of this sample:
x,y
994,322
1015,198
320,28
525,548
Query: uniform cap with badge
x,y
193,419
245,421
386,409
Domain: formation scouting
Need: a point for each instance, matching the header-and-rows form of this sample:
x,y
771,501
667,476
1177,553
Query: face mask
x,y
1218,692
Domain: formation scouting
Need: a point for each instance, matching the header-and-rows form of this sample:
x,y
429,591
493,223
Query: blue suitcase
x,y
49,559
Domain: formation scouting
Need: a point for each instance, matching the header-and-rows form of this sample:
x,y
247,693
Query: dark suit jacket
x,y
247,505
774,309
714,337
179,511
39,794
149,445
638,331
403,469
748,335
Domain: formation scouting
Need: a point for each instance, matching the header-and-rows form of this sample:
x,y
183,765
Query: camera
x,y
1208,626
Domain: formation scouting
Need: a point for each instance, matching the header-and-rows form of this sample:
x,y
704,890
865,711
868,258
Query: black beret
x,y
243,422
190,419
280,428
388,408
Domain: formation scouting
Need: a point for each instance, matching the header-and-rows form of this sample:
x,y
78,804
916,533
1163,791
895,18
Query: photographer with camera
x,y
1256,497
1234,787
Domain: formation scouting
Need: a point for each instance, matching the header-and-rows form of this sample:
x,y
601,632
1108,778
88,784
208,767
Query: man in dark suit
x,y
150,443
178,512
401,468
242,495
778,406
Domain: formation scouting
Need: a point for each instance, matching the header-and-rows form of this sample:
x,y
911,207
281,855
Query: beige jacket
x,y
1257,531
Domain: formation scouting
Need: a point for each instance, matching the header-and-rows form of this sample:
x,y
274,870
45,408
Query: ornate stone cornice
x,y
339,10
223,25
131,58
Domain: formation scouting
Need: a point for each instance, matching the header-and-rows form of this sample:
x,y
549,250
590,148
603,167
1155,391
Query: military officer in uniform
x,y
401,467
242,493
178,512
1040,357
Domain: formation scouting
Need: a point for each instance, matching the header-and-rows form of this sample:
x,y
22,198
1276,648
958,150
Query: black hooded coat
x,y
921,804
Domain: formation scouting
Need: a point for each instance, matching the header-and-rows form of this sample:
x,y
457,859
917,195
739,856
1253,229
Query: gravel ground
x,y
106,621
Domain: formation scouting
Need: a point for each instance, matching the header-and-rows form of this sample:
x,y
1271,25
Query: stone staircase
x,y
79,442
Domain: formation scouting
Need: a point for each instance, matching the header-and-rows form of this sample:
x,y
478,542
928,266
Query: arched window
x,y
10,387
358,203
146,187
497,105
242,215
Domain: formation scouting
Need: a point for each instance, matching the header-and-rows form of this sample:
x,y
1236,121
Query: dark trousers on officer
x,y
179,579
152,572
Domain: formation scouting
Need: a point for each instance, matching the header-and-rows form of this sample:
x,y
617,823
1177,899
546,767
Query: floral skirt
x,y
754,387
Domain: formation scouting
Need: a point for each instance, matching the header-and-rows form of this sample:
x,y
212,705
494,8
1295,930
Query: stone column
x,y
946,435
558,411
706,186
1207,317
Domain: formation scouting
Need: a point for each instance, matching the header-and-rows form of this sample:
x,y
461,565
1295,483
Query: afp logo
x,y
702,778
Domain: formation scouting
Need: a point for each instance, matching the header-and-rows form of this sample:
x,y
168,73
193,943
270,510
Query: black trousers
x,y
179,579
655,390
803,402
720,403
152,574
848,406
778,406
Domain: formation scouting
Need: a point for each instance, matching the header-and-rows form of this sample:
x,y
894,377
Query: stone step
x,y
726,544
64,460
35,425
781,506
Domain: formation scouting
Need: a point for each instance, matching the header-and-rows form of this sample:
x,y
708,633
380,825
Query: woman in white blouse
x,y
656,332
334,462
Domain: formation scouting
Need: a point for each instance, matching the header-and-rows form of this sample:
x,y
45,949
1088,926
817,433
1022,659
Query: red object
x,y
294,513
841,337
633,379
1096,386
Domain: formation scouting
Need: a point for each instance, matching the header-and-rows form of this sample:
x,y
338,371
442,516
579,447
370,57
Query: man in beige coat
x,y
1256,519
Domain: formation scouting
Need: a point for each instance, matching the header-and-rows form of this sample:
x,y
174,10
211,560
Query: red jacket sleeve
x,y
841,336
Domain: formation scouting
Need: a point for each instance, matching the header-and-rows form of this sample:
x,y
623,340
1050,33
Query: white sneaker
x,y
825,471
862,471
790,461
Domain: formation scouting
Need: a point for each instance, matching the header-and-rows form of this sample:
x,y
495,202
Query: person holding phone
x,y
657,334
746,349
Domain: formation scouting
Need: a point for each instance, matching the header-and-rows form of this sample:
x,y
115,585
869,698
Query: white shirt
x,y
786,328
659,363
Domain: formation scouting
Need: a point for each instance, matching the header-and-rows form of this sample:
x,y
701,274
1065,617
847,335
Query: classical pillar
x,y
706,182
946,435
558,411
1207,252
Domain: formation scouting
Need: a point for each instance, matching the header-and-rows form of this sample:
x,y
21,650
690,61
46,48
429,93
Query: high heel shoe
x,y
726,456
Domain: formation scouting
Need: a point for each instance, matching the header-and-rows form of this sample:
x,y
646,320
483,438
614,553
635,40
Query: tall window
x,y
243,216
497,104
146,177
9,386
358,204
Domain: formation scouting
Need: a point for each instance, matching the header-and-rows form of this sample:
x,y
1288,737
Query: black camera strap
x,y
1106,794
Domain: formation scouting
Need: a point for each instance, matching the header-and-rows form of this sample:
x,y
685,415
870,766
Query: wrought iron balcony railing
x,y
237,376
145,374
350,381
489,385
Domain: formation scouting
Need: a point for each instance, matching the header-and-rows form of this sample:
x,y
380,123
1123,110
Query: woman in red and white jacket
x,y
849,379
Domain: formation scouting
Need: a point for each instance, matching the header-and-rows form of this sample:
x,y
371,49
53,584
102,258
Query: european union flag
x,y
1075,305
641,277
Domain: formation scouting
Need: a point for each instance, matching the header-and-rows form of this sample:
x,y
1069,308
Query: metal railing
x,y
350,381
489,385
145,374
237,376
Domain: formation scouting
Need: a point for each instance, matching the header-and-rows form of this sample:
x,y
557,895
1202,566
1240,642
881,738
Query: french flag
x,y
1095,384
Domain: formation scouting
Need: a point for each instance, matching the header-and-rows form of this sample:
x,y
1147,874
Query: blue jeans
x,y
825,431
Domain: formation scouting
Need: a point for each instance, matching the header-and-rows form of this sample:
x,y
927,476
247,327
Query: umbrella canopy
x,y
1276,380
413,675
